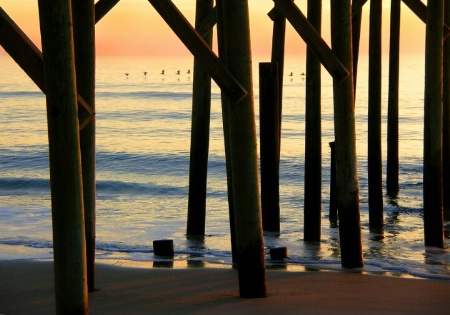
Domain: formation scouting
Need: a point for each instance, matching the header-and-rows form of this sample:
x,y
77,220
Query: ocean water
x,y
143,142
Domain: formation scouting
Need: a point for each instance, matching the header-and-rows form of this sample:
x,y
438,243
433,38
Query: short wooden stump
x,y
278,253
163,248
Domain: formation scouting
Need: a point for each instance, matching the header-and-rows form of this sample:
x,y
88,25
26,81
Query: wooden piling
x,y
65,160
357,6
374,158
242,136
446,120
200,124
269,112
226,133
432,160
84,43
278,47
313,134
344,125
333,211
392,165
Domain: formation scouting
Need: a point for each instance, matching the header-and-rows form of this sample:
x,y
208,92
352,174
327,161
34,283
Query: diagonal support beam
x,y
420,9
30,59
312,39
197,46
102,7
357,6
208,23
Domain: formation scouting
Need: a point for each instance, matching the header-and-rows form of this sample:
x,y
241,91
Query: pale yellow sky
x,y
133,27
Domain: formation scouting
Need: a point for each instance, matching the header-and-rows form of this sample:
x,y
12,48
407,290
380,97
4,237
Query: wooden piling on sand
x,y
200,124
374,159
344,125
432,160
269,112
242,136
313,134
65,161
84,43
446,120
392,120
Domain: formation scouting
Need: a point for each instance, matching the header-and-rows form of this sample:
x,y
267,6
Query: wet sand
x,y
26,287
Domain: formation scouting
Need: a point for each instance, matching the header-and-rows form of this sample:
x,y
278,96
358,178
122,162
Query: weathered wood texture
x,y
344,125
244,162
84,45
65,160
200,125
446,121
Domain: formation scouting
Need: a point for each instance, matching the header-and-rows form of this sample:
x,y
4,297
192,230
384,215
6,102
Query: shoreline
x,y
27,288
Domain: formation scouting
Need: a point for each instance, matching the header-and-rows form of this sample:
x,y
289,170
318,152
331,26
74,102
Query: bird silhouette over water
x,y
178,72
291,74
145,73
189,71
127,75
162,72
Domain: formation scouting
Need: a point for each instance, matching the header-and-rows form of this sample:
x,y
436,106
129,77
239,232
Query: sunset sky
x,y
133,27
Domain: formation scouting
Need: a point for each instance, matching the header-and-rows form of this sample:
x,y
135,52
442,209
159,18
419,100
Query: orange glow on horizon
x,y
133,27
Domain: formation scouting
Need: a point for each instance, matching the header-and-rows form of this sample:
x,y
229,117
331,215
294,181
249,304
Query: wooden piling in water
x,y
344,125
226,133
269,123
357,6
432,160
65,161
278,47
242,133
333,211
313,134
200,125
374,158
446,120
84,45
392,166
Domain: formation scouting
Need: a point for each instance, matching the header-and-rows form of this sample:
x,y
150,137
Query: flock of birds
x,y
162,73
189,72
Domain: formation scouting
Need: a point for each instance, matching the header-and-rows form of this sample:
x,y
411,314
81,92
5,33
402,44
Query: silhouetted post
x,y
84,42
65,160
344,125
226,133
432,160
201,111
446,120
242,133
374,119
392,123
313,134
333,189
278,43
357,6
269,123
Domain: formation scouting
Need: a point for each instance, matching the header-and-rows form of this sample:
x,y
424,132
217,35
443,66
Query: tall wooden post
x,y
374,119
357,6
446,120
201,111
432,160
269,123
392,123
313,134
344,125
278,47
242,133
84,41
65,160
226,132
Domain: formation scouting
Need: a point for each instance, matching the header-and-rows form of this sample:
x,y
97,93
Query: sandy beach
x,y
26,287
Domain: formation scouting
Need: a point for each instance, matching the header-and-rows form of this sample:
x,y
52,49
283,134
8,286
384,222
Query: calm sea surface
x,y
143,140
